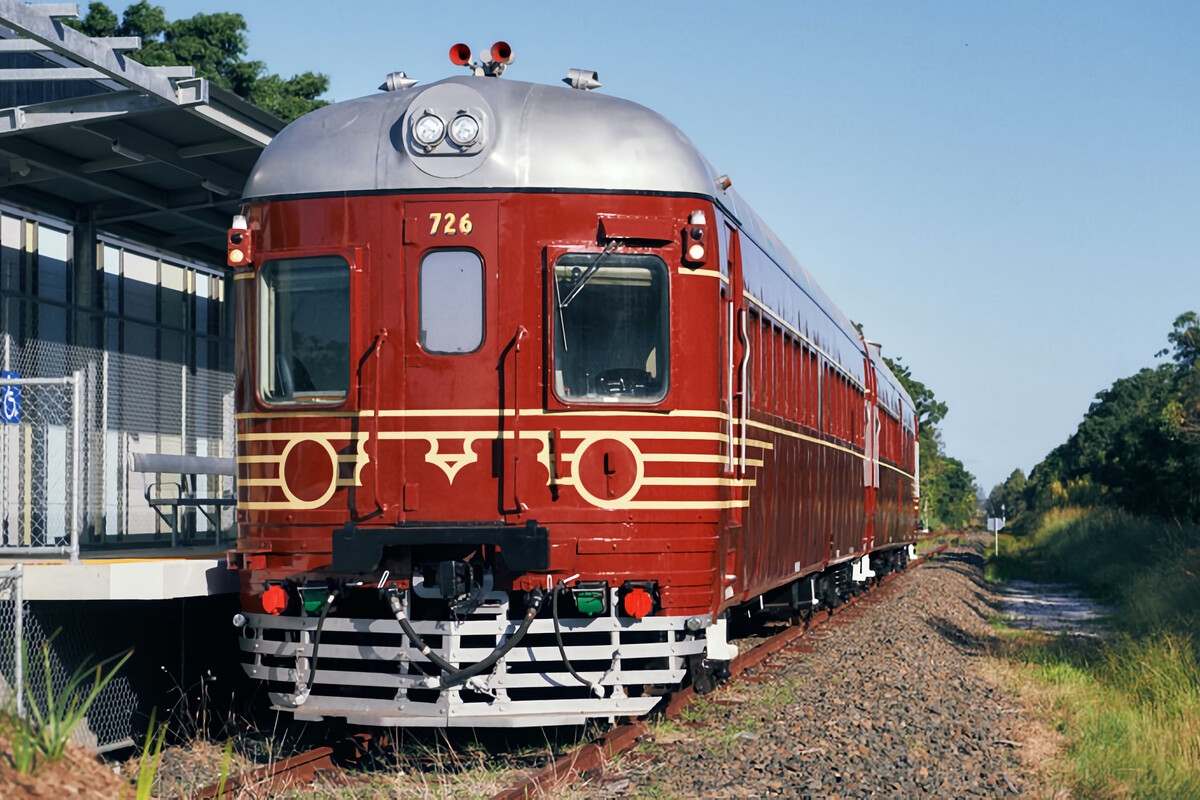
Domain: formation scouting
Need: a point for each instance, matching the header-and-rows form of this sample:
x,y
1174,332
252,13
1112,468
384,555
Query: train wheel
x,y
706,674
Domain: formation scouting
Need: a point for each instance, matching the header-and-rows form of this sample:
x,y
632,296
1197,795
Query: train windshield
x,y
304,330
612,329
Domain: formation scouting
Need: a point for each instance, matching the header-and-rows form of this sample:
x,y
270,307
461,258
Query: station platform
x,y
150,573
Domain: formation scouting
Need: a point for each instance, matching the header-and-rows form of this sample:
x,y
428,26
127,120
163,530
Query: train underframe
x,y
547,658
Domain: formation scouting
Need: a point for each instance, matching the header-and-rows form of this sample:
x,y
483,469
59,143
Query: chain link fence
x,y
12,636
41,646
58,477
78,415
40,490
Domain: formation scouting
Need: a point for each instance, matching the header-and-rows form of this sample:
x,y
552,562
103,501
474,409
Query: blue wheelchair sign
x,y
10,399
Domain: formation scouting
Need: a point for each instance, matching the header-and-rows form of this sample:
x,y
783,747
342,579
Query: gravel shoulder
x,y
903,701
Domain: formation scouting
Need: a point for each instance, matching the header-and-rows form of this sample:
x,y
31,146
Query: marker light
x,y
238,244
464,130
693,239
275,600
429,129
638,603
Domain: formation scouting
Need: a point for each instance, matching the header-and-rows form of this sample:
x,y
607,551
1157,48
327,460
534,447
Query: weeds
x,y
51,727
46,728
151,758
1128,704
226,759
24,754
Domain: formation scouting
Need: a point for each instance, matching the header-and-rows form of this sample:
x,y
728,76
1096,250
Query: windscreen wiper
x,y
587,275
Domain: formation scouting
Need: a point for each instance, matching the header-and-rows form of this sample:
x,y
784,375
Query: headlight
x,y
429,130
464,130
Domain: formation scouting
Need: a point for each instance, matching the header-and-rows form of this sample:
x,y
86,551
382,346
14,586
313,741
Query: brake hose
x,y
596,688
301,696
453,675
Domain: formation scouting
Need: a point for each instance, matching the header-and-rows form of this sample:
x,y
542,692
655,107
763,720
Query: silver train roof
x,y
533,136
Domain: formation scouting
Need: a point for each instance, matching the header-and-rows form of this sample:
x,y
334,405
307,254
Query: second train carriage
x,y
528,400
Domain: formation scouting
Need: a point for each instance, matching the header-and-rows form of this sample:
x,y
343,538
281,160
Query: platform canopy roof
x,y
151,154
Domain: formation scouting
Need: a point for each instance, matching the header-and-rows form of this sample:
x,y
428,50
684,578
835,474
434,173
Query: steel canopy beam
x,y
28,46
76,111
67,166
166,153
79,73
33,23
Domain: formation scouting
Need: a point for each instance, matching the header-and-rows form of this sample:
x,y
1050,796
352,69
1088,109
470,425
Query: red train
x,y
529,403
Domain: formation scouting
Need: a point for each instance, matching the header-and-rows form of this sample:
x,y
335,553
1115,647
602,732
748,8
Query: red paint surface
x,y
807,503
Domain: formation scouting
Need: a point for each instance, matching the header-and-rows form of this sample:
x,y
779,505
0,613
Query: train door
x,y
450,414
870,455
735,352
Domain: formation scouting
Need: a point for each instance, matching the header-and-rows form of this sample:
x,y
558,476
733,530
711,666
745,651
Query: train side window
x,y
304,330
450,288
612,328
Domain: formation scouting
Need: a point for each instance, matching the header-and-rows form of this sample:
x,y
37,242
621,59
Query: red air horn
x,y
491,62
460,54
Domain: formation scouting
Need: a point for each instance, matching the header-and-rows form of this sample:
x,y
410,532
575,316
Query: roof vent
x,y
584,79
397,81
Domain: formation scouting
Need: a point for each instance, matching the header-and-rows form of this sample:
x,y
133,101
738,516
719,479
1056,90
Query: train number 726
x,y
464,224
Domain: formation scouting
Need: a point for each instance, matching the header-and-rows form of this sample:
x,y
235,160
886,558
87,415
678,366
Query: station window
x,y
304,334
611,328
451,301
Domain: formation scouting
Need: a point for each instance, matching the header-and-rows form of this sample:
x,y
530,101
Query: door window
x,y
451,301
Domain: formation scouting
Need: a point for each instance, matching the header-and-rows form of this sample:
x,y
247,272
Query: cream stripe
x,y
287,436
640,435
479,412
681,505
710,273
696,458
669,481
243,276
261,482
273,459
908,475
795,435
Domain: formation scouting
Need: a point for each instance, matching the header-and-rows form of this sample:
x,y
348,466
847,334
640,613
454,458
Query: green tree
x,y
1185,338
930,410
1007,499
215,45
948,492
1138,445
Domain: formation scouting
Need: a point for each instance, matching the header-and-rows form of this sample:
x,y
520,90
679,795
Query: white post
x,y
1003,519
18,574
76,463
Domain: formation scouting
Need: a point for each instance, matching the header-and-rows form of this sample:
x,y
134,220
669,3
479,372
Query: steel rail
x,y
594,755
299,769
303,768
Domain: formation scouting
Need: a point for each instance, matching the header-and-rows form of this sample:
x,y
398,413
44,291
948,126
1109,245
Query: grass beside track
x,y
1128,704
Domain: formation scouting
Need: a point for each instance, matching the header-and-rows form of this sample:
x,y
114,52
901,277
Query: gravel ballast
x,y
885,703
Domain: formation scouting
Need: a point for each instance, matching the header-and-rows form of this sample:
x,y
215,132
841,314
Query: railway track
x,y
335,759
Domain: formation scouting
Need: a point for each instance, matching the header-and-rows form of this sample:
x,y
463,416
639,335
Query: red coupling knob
x,y
275,600
638,603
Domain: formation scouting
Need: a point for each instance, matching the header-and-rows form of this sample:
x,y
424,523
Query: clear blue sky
x,y
1006,195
